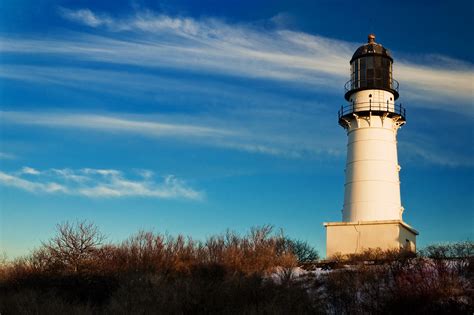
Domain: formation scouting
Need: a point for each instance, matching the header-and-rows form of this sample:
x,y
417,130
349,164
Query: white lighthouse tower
x,y
372,210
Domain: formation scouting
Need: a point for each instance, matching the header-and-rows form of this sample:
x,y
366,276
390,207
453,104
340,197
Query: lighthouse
x,y
372,213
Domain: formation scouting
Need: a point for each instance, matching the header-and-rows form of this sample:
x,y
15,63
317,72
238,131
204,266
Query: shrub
x,y
304,252
76,273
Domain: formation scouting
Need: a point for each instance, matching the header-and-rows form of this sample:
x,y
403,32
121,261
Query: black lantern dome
x,y
371,68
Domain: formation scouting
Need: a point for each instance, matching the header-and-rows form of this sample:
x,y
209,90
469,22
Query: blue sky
x,y
198,116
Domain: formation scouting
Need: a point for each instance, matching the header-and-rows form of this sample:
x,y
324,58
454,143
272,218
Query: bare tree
x,y
304,252
74,244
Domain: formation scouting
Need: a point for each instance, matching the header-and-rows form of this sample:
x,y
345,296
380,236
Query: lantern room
x,y
371,68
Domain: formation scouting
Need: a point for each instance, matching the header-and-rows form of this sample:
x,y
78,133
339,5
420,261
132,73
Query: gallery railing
x,y
374,107
376,83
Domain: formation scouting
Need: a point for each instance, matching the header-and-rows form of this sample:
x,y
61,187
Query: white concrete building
x,y
372,210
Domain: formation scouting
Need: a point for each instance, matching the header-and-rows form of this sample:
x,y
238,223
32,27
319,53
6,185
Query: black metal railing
x,y
375,107
376,83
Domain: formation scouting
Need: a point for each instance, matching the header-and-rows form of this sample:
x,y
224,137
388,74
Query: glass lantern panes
x,y
371,71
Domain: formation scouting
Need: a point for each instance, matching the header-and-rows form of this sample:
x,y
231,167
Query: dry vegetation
x,y
77,272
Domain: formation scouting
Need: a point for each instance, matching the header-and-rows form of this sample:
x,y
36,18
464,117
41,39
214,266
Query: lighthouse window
x,y
378,61
370,62
370,95
378,73
371,71
356,75
378,77
362,72
370,75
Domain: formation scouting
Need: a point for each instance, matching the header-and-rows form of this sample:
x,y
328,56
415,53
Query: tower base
x,y
354,237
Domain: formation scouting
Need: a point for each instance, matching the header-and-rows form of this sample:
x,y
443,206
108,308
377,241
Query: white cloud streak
x,y
110,123
434,154
6,156
269,132
266,135
84,16
29,171
97,183
31,186
150,40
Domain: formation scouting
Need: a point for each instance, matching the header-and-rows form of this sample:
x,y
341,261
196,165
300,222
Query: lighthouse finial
x,y
371,38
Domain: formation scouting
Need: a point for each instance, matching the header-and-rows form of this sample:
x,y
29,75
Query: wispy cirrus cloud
x,y
436,157
111,123
6,156
269,132
266,135
29,171
223,56
98,183
148,39
31,186
85,16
